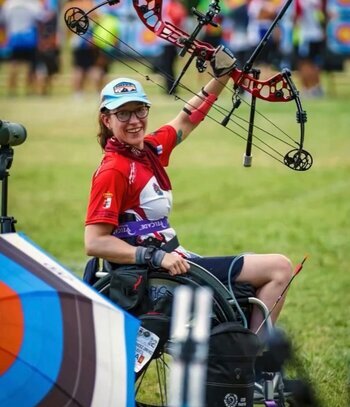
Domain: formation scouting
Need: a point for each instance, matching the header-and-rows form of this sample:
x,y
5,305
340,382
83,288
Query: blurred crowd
x,y
33,32
298,43
31,35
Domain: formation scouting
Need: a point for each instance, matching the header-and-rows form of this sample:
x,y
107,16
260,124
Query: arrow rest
x,y
201,63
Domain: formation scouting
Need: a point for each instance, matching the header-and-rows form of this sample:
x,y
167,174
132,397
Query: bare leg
x,y
31,80
269,274
97,77
309,74
79,76
12,80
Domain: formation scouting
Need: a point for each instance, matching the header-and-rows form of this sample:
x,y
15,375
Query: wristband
x,y
157,257
149,255
140,255
197,114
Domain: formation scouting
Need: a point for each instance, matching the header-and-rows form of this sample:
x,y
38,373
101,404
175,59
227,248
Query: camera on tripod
x,y
11,134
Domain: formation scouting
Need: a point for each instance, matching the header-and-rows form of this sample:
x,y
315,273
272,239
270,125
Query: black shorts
x,y
220,266
50,61
311,51
103,60
269,55
84,58
24,55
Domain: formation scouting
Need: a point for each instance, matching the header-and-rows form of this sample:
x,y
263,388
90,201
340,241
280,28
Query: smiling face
x,y
128,123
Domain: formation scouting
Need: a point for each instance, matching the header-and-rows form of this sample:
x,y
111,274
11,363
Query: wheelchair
x,y
151,385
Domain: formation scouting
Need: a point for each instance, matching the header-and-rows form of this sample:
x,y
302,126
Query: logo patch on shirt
x,y
157,189
160,149
107,200
124,87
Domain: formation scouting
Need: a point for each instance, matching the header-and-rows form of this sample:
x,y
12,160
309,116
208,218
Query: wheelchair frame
x,y
224,304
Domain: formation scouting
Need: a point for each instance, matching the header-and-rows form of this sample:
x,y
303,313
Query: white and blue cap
x,y
120,91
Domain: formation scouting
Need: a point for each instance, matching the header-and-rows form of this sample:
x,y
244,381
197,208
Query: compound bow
x,y
278,88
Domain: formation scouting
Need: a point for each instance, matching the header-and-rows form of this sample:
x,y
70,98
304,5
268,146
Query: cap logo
x,y
124,87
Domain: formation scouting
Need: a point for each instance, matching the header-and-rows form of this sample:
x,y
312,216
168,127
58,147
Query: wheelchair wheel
x,y
160,282
151,385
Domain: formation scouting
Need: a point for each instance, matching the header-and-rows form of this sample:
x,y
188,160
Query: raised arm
x,y
198,106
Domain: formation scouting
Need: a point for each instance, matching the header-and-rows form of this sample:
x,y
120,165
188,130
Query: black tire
x,y
151,384
196,277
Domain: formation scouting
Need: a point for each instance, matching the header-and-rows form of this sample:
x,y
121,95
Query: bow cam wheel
x,y
298,160
76,20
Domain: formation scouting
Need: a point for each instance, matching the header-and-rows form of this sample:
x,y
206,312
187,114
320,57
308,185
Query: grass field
x,y
220,207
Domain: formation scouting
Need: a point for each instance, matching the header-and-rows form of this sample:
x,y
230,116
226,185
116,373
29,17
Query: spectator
x,y
175,13
20,18
85,54
211,34
261,13
238,16
310,45
48,57
105,35
286,46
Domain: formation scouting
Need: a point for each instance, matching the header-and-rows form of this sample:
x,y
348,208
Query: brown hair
x,y
104,133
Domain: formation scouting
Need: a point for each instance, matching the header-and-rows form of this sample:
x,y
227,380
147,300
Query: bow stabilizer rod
x,y
247,157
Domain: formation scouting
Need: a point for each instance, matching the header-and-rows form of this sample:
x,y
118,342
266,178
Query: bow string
x,y
278,88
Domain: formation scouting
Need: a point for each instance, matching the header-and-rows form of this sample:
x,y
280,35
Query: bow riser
x,y
176,36
274,89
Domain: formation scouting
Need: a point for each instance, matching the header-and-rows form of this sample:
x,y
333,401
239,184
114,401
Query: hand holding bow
x,y
223,61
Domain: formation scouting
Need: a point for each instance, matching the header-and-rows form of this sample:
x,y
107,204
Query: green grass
x,y
220,207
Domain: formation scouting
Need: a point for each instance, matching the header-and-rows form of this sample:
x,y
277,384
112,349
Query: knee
x,y
283,270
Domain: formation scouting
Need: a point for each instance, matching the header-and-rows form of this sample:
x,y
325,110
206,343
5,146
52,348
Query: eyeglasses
x,y
125,115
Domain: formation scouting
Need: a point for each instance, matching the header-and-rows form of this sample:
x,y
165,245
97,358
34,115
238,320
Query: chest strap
x,y
140,227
